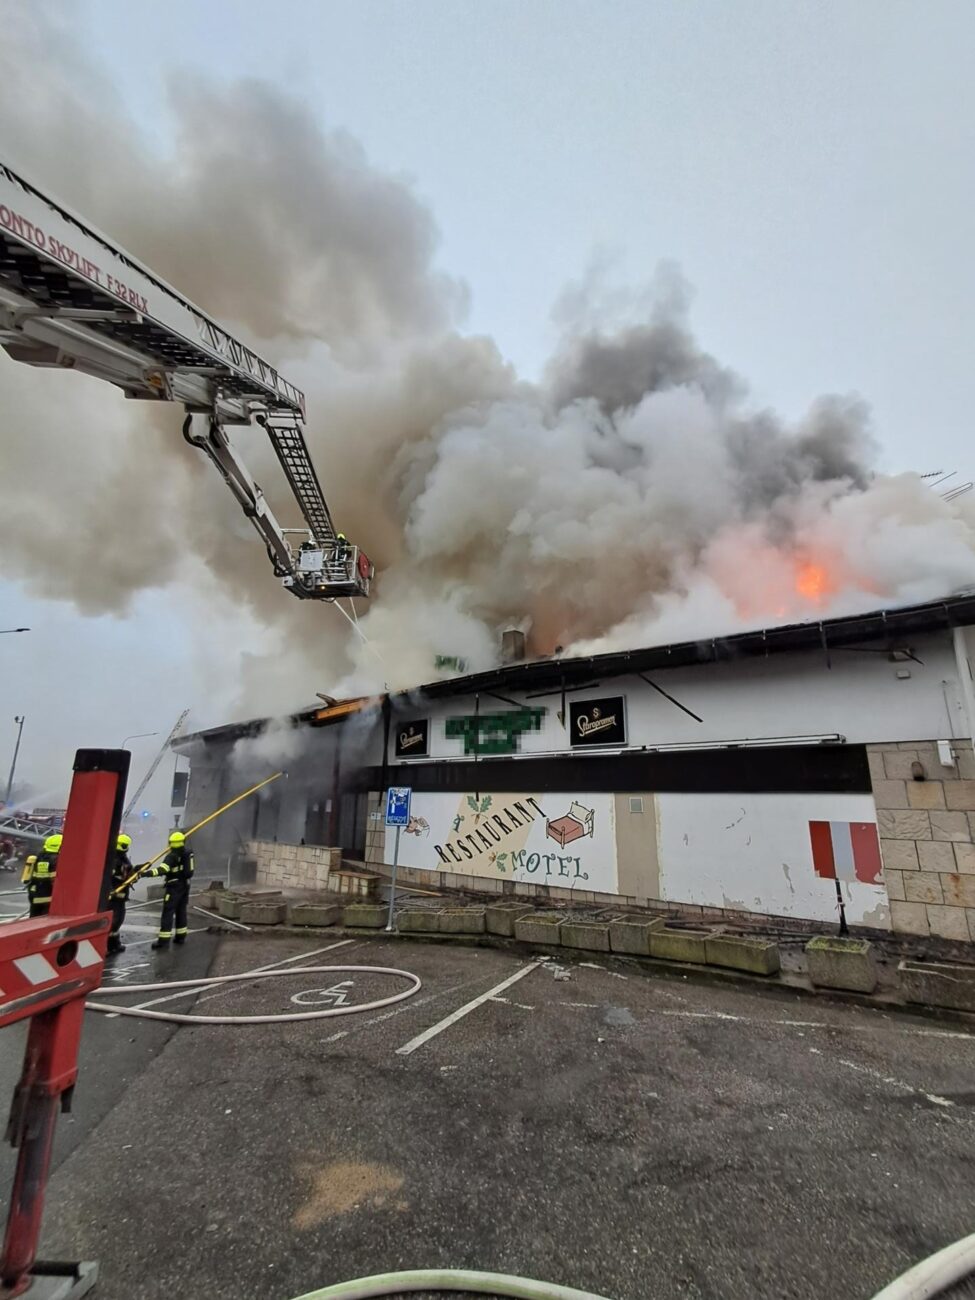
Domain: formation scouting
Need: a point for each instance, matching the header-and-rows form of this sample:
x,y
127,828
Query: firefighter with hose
x,y
121,884
40,876
177,867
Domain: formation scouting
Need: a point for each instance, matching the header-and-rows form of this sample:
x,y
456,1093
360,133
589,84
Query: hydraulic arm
x,y
71,298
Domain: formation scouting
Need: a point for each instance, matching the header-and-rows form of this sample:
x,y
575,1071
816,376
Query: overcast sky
x,y
808,166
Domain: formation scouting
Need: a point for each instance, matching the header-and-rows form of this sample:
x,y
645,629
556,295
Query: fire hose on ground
x,y
931,1277
252,976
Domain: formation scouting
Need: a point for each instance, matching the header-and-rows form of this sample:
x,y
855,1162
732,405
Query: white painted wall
x,y
860,697
752,852
507,837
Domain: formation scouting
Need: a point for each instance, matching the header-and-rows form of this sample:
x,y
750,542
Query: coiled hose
x,y
173,1017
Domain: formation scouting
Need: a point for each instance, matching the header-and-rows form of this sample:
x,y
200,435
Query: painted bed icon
x,y
573,825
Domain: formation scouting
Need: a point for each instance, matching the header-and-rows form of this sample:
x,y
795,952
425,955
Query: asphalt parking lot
x,y
630,1135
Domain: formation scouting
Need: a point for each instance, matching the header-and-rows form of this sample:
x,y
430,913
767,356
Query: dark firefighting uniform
x,y
40,885
177,867
122,869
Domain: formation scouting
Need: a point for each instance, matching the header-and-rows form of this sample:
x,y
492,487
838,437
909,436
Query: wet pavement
x,y
636,1135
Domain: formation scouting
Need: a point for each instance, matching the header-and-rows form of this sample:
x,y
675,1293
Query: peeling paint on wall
x,y
717,849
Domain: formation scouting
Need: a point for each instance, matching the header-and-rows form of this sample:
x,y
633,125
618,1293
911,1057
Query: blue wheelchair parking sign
x,y
398,805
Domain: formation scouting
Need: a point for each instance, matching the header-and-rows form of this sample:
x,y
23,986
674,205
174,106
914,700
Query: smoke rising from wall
x,y
634,495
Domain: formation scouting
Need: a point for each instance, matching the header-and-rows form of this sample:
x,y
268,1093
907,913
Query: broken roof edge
x,y
827,634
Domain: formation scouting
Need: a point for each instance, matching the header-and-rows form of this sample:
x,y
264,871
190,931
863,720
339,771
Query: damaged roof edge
x,y
886,625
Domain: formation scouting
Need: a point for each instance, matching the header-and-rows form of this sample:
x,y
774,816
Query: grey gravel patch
x,y
618,1016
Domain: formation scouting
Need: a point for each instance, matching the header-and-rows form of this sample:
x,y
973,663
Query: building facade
x,y
769,774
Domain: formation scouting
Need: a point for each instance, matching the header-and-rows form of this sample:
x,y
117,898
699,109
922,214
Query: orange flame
x,y
813,582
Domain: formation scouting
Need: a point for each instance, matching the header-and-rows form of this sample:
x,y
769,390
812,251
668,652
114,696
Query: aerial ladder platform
x,y
71,298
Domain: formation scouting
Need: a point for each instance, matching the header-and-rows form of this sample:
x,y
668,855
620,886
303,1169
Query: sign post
x,y
398,815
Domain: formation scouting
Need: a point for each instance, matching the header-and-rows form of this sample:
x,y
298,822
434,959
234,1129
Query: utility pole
x,y
13,766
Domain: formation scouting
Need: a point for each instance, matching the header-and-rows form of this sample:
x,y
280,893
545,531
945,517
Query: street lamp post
x,y
13,766
139,735
5,631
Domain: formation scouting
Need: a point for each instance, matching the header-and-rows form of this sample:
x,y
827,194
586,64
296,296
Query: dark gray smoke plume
x,y
635,495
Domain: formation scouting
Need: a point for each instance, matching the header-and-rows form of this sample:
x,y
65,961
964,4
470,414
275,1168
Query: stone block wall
x,y
294,866
927,837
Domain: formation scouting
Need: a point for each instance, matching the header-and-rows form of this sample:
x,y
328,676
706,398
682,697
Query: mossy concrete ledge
x,y
679,945
269,913
229,905
318,914
538,929
835,963
364,916
631,936
938,984
461,920
419,920
756,956
500,918
591,936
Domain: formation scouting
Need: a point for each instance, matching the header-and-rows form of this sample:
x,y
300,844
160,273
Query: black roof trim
x,y
887,625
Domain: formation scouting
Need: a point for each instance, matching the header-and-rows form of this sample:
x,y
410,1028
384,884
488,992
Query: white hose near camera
x,y
933,1275
448,1279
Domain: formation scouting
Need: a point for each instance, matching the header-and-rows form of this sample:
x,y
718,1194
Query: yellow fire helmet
x,y
123,842
177,839
53,843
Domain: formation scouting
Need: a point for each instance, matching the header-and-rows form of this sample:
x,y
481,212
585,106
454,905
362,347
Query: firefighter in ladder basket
x,y
177,868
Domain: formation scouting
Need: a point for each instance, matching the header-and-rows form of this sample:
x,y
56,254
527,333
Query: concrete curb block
x,y
632,937
263,913
420,920
938,984
538,929
834,963
228,905
318,914
462,920
679,945
588,935
364,916
757,956
500,918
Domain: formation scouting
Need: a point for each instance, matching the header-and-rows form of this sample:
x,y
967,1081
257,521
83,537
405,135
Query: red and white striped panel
x,y
846,851
30,976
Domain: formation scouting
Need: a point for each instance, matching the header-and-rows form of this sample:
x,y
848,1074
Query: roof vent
x,y
512,646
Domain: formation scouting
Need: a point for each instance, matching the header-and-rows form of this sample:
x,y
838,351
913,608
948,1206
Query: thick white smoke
x,y
634,495
637,497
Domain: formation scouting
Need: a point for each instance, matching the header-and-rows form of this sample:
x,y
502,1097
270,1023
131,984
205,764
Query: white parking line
x,y
806,1024
407,1006
171,997
465,1010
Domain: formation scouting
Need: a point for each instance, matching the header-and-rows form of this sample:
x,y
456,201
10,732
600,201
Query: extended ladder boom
x,y
71,298
155,763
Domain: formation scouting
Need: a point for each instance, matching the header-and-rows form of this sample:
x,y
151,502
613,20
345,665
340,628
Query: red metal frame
x,y
48,966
